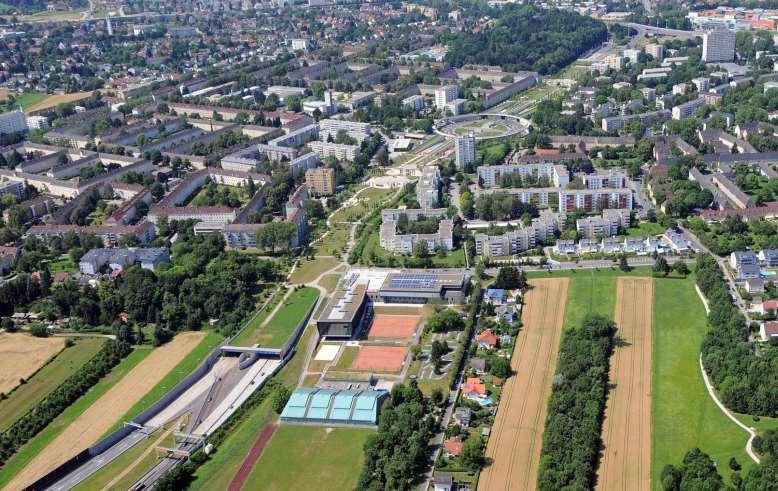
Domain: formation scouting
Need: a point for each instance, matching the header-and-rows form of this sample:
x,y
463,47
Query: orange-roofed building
x,y
474,387
452,447
487,339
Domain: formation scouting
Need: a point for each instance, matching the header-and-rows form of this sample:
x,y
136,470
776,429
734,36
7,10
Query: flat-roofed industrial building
x,y
344,313
412,287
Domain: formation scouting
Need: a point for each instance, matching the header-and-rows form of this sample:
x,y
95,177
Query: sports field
x,y
380,358
103,414
47,379
393,326
309,457
21,355
277,330
514,447
626,433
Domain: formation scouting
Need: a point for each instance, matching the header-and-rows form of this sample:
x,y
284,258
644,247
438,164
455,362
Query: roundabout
x,y
482,126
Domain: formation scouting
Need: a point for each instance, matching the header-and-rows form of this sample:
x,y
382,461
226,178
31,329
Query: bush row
x,y
571,440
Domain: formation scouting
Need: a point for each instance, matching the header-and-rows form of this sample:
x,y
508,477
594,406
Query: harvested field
x,y
54,100
21,355
626,431
516,439
380,358
393,326
104,413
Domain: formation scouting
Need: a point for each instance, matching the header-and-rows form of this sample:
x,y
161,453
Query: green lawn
x,y
221,466
177,374
332,459
63,263
307,271
347,357
367,201
276,332
28,99
34,446
335,241
683,414
49,377
330,281
201,197
645,229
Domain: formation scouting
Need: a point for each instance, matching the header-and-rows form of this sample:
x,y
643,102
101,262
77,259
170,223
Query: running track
x,y
251,458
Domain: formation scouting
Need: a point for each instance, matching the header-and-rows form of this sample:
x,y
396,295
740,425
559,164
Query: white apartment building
x,y
490,174
428,186
465,150
12,122
330,127
415,102
718,45
702,84
686,109
444,95
337,150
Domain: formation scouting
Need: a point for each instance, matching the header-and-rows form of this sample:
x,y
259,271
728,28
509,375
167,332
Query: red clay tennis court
x,y
393,326
380,358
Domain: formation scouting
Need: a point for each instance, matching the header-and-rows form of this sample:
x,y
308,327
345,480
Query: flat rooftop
x,y
422,282
344,304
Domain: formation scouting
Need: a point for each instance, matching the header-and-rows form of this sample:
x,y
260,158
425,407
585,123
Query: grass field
x,y
335,241
646,228
222,465
200,198
347,357
308,271
59,15
367,201
276,332
177,374
330,281
683,414
27,99
333,459
47,379
15,464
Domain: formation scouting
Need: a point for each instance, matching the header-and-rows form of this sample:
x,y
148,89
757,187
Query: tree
x,y
500,367
437,397
437,351
8,324
510,278
280,397
681,268
420,249
623,264
661,266
39,330
472,455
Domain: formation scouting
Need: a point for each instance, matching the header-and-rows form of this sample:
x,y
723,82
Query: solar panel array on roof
x,y
333,406
413,280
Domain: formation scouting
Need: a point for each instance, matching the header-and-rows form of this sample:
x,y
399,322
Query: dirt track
x,y
517,434
626,433
103,414
21,355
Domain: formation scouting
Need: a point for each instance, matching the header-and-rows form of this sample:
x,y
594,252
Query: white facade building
x,y
444,95
718,45
12,122
465,150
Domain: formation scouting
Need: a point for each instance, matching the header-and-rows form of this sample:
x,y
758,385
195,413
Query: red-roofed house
x,y
769,331
452,447
769,307
474,388
487,339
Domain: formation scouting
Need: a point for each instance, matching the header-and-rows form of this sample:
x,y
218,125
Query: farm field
x,y
28,452
626,433
21,355
683,415
515,444
276,332
103,414
49,377
53,100
332,459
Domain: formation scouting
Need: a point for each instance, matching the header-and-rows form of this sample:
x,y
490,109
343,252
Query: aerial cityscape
x,y
436,245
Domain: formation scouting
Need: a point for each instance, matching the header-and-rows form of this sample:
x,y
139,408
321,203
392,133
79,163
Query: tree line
x,y
51,406
571,440
747,383
397,454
